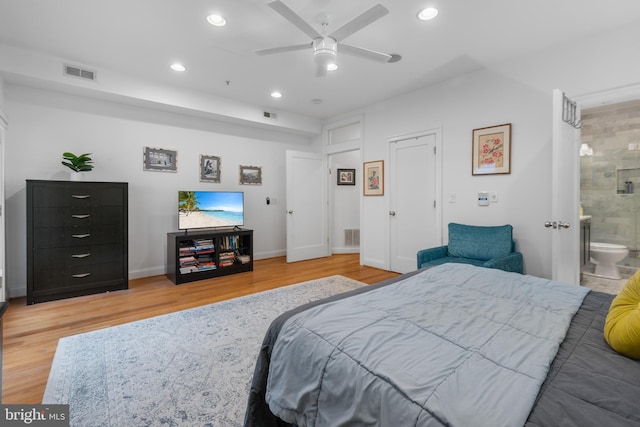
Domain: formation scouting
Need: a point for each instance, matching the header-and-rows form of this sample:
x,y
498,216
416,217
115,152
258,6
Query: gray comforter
x,y
453,345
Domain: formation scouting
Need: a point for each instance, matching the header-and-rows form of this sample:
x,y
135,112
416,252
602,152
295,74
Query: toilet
x,y
605,256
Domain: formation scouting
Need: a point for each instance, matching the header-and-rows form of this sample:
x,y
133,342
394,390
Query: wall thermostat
x,y
483,198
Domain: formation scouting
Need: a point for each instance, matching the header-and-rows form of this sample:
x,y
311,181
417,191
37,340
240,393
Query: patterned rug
x,y
189,368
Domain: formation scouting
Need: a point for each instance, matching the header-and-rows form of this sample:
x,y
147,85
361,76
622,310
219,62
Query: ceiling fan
x,y
325,48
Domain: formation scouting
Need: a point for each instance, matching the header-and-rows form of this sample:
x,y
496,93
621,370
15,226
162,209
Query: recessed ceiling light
x,y
276,94
427,13
217,20
332,67
177,67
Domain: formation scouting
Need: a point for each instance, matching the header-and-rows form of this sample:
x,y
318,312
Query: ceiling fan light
x,y
217,20
178,67
276,94
332,66
427,14
324,51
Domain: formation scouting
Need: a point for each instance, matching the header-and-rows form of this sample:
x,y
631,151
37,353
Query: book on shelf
x,y
244,259
231,242
184,260
203,244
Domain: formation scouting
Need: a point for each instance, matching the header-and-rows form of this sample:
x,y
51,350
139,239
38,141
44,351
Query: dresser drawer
x,y
60,278
77,256
60,237
77,194
77,216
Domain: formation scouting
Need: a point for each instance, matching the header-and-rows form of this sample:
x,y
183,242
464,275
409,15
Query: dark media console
x,y
203,254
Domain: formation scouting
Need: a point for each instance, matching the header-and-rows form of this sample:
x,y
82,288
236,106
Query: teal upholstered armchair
x,y
491,247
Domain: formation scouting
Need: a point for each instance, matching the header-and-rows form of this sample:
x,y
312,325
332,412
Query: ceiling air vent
x,y
269,115
83,73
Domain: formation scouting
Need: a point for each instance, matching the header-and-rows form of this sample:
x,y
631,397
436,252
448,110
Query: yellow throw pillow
x,y
622,326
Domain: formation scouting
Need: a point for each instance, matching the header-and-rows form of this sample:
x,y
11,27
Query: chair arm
x,y
512,262
426,255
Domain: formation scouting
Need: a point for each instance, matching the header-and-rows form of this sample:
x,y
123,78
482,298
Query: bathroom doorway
x,y
610,181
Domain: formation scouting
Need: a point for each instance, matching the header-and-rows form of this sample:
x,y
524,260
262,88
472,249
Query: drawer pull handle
x,y
80,255
80,196
81,275
81,216
80,236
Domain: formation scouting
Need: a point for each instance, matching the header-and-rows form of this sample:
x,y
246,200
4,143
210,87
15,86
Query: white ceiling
x,y
141,38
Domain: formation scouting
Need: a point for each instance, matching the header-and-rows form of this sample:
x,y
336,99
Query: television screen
x,y
210,209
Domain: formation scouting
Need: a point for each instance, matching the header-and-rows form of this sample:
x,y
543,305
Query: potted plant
x,y
78,164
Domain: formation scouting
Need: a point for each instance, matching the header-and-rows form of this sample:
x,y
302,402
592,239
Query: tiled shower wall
x,y
613,132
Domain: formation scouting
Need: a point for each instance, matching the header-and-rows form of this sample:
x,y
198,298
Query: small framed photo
x,y
374,178
250,175
159,159
492,150
346,177
209,168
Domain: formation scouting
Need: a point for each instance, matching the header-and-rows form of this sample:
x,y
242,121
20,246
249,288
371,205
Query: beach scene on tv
x,y
209,209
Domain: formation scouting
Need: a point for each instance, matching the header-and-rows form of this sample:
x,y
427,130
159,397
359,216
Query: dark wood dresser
x,y
77,238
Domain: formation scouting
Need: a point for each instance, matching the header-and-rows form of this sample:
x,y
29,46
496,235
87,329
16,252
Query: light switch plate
x,y
493,196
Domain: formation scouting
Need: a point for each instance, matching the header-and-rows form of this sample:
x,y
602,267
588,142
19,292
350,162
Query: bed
x,y
414,350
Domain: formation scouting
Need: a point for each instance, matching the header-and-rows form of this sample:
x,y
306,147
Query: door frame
x,y
437,131
328,150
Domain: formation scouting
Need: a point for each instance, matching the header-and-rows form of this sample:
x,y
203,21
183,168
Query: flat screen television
x,y
210,209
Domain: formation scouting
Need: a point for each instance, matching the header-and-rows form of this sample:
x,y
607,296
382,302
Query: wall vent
x,y
83,73
269,115
351,237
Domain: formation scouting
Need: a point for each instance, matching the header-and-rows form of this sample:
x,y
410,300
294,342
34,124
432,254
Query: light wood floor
x,y
31,333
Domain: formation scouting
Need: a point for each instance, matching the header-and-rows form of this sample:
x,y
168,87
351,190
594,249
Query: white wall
x,y
45,124
517,92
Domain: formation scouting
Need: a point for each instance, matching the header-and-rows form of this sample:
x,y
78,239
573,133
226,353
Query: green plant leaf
x,y
80,163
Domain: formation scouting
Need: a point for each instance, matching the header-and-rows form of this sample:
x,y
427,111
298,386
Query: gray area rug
x,y
189,368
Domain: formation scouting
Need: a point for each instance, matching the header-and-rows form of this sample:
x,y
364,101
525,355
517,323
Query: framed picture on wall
x,y
209,168
250,175
346,177
491,150
374,178
159,159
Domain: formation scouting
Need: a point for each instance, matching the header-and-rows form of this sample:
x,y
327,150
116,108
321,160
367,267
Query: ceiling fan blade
x,y
359,22
283,49
363,53
294,18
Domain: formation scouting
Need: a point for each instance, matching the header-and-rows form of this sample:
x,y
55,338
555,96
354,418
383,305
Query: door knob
x,y
392,213
290,212
564,224
550,224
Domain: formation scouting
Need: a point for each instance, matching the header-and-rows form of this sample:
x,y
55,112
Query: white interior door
x,y
413,219
307,221
565,222
3,288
